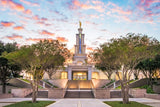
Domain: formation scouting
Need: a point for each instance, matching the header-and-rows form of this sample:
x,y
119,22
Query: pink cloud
x,y
76,4
90,49
16,6
18,28
93,16
36,17
116,9
13,5
14,36
62,39
29,3
148,8
148,3
28,11
38,39
45,32
7,24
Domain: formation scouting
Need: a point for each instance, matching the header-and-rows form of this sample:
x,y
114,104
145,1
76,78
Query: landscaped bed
x,y
30,104
120,104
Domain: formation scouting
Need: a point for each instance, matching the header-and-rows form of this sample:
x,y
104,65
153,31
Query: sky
x,y
28,21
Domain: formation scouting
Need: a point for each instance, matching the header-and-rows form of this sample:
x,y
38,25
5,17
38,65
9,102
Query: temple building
x,y
79,69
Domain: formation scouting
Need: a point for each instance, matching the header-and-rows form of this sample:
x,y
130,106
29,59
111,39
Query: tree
x,y
38,57
7,70
123,54
149,68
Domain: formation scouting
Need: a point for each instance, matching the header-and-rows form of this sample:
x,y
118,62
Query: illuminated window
x,y
63,75
95,75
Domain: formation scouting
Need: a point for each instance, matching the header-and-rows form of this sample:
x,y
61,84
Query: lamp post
x,y
114,84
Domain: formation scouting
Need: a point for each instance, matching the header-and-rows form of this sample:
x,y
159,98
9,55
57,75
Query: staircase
x,y
79,94
79,89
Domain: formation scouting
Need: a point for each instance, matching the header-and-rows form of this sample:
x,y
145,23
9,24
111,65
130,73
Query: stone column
x,y
69,73
89,73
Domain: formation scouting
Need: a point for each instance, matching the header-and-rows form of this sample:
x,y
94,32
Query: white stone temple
x,y
79,69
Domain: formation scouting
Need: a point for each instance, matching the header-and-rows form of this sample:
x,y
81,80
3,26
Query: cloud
x,y
7,24
45,32
75,4
18,28
14,36
90,49
117,9
13,5
29,3
147,9
28,11
16,6
94,16
62,39
38,39
36,17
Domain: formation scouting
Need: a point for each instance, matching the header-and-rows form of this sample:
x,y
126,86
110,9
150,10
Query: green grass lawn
x,y
120,104
25,80
30,104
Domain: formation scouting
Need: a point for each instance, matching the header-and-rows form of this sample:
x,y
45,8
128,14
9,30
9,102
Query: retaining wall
x,y
56,93
21,92
137,93
6,96
102,93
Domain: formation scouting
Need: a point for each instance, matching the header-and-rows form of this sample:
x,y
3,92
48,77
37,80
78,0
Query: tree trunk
x,y
3,87
125,93
49,75
34,93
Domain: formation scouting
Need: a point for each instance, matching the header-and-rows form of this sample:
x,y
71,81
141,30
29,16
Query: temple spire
x,y
80,24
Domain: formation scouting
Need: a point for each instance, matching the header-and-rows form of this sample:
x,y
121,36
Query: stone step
x,y
78,94
79,84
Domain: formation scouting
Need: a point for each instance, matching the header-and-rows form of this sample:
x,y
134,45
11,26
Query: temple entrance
x,y
79,75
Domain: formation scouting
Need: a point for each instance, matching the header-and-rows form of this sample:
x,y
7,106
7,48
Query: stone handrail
x,y
65,89
93,90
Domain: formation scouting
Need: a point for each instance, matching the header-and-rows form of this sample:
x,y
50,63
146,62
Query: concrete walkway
x,y
79,103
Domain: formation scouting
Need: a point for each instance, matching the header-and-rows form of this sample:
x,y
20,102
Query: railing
x,y
93,90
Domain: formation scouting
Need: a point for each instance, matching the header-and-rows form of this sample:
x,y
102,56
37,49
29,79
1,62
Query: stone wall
x,y
137,93
102,93
21,92
153,96
56,93
156,89
61,83
98,83
139,83
5,96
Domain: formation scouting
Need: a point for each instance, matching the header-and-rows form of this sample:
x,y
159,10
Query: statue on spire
x,y
80,24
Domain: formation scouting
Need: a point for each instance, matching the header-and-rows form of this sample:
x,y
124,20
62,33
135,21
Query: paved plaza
x,y
80,102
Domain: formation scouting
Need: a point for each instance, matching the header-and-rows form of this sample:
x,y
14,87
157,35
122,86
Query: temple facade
x,y
80,69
